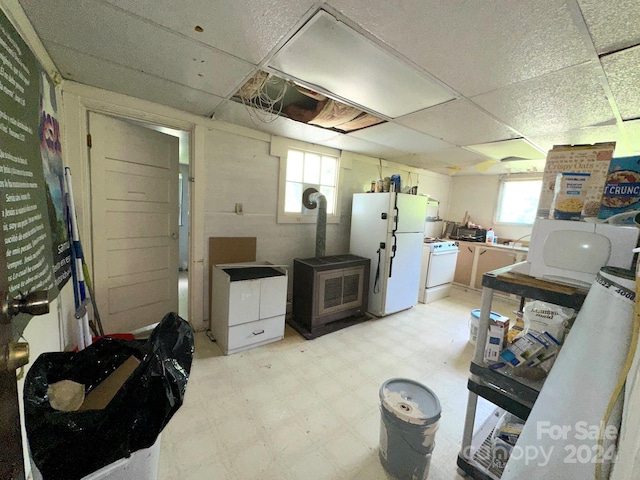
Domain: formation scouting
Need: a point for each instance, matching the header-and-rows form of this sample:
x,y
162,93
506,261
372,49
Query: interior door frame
x,y
77,105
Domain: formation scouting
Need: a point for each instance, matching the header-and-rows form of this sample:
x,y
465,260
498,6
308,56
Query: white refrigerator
x,y
388,228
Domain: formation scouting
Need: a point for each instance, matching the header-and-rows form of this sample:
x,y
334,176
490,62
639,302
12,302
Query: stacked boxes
x,y
496,338
591,159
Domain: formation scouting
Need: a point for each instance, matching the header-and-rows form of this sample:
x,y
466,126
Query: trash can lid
x,y
410,401
495,316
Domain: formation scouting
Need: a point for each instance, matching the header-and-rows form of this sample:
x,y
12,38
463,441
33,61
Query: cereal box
x,y
622,188
570,194
591,159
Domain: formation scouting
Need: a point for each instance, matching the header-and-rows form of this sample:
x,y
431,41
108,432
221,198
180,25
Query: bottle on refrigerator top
x,y
490,235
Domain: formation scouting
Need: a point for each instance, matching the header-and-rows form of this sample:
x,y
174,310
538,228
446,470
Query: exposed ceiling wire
x,y
259,103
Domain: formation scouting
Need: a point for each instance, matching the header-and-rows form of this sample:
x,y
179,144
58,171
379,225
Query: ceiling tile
x,y
515,148
116,78
591,135
581,136
248,29
623,72
475,47
559,101
453,157
400,138
352,144
632,128
613,24
130,41
450,161
459,122
327,53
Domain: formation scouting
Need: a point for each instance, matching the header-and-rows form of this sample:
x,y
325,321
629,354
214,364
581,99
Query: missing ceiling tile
x,y
268,96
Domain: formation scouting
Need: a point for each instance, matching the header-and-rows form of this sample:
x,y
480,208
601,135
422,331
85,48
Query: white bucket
x,y
409,420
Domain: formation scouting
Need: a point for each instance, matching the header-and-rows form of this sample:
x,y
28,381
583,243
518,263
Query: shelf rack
x,y
516,395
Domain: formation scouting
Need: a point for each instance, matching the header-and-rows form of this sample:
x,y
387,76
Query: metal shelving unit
x,y
513,394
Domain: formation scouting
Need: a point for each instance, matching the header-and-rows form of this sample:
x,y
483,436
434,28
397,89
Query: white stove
x,y
437,270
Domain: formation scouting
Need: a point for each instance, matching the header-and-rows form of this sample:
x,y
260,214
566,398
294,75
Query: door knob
x,y
15,355
34,303
174,235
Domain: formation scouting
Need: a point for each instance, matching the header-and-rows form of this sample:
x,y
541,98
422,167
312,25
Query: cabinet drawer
x,y
255,332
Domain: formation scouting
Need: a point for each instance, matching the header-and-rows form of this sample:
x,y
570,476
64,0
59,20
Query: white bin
x,y
141,465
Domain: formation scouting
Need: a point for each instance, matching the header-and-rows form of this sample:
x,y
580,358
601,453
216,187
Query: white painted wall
x,y
240,169
478,194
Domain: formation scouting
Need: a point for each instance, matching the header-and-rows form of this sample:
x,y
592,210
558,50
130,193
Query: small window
x,y
305,169
518,200
306,166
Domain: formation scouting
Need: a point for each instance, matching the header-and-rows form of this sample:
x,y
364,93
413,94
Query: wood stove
x,y
329,293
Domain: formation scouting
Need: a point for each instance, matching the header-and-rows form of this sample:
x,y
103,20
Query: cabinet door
x,y
464,264
273,296
244,301
491,259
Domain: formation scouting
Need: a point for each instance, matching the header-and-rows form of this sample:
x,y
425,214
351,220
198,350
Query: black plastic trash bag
x,y
71,445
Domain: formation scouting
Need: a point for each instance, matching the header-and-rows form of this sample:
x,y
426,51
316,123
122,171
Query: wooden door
x,y
134,207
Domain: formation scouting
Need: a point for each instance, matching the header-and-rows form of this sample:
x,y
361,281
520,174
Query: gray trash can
x,y
409,420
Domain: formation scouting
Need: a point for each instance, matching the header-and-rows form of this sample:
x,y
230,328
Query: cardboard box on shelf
x,y
591,159
496,338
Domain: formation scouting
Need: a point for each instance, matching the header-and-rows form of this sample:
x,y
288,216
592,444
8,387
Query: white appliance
x,y
573,252
388,229
437,270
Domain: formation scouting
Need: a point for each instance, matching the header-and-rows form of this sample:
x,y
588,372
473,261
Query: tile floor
x,y
299,409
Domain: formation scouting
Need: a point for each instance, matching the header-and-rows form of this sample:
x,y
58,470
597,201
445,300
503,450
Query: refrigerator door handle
x,y
395,217
393,252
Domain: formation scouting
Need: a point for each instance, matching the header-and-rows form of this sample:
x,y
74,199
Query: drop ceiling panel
x,y
624,79
329,54
459,122
571,98
613,24
100,73
591,135
400,138
632,128
248,29
475,47
130,41
352,144
453,157
516,148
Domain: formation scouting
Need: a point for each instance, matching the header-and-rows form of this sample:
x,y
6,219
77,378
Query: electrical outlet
x,y
239,209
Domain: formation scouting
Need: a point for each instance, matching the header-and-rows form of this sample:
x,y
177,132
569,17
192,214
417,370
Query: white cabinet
x,y
248,305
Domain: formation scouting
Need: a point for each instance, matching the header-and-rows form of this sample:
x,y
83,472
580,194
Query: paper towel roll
x,y
560,437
